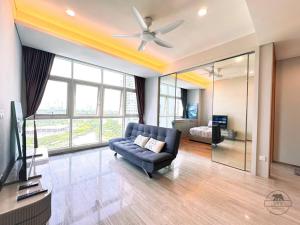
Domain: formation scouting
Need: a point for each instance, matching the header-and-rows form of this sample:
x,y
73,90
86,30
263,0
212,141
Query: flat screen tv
x,y
192,111
222,120
18,137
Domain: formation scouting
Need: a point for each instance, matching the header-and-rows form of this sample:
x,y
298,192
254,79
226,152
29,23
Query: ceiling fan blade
x,y
142,45
126,35
140,19
162,43
169,27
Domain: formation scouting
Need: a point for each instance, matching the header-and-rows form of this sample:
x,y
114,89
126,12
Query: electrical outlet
x,y
262,158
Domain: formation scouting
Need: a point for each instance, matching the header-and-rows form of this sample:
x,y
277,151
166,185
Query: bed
x,y
210,134
201,134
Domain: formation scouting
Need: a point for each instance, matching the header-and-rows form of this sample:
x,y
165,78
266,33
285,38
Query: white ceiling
x,y
287,49
36,39
275,20
226,20
272,21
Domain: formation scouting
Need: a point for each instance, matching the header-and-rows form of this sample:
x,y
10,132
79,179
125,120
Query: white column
x,y
262,136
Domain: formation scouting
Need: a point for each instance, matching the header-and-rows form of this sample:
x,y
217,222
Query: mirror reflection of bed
x,y
233,97
190,113
212,106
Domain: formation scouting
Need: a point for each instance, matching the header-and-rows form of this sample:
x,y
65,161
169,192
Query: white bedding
x,y
202,131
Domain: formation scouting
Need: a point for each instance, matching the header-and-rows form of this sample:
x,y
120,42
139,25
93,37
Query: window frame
x,y
121,101
71,104
89,65
58,116
97,102
167,97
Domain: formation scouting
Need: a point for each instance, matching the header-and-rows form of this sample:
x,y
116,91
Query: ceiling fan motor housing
x,y
148,20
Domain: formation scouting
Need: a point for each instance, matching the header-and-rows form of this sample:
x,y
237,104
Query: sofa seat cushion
x,y
152,157
127,145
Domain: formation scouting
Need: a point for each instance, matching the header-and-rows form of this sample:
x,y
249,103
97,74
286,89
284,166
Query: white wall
x,y
206,102
260,162
10,79
287,112
151,101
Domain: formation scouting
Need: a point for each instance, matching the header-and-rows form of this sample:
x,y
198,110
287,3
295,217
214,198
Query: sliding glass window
x,y
169,97
83,105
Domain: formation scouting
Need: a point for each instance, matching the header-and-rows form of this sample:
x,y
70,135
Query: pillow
x,y
141,140
209,123
155,145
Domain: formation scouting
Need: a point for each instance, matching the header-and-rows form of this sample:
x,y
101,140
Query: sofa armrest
x,y
156,157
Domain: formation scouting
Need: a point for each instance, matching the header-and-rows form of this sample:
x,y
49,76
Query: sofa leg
x,y
148,174
115,154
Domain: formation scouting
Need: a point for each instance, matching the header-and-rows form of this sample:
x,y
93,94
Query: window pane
x,y
85,131
164,89
178,92
171,91
61,67
52,133
86,100
55,98
131,120
170,121
111,128
179,108
87,72
130,83
163,106
112,102
163,121
170,106
112,78
131,103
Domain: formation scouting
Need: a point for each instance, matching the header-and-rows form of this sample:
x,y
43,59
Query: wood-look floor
x,y
93,187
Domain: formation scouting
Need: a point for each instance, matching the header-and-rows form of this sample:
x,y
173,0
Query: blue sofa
x,y
149,161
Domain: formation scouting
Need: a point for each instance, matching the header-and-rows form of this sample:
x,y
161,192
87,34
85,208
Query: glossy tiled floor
x,y
93,187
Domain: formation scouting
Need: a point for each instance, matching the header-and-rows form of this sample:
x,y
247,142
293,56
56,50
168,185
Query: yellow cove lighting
x,y
71,30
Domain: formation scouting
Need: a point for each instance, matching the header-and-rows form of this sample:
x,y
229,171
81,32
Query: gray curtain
x,y
37,67
140,96
184,102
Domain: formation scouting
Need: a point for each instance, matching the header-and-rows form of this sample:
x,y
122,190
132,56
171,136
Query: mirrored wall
x,y
232,105
212,104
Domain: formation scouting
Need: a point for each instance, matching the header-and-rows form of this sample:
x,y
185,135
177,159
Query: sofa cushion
x,y
149,156
127,145
141,141
155,145
170,136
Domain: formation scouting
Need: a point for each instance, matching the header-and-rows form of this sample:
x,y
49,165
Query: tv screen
x,y
222,120
192,111
18,153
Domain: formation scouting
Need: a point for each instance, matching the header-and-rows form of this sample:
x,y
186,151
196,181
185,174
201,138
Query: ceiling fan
x,y
147,35
216,74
